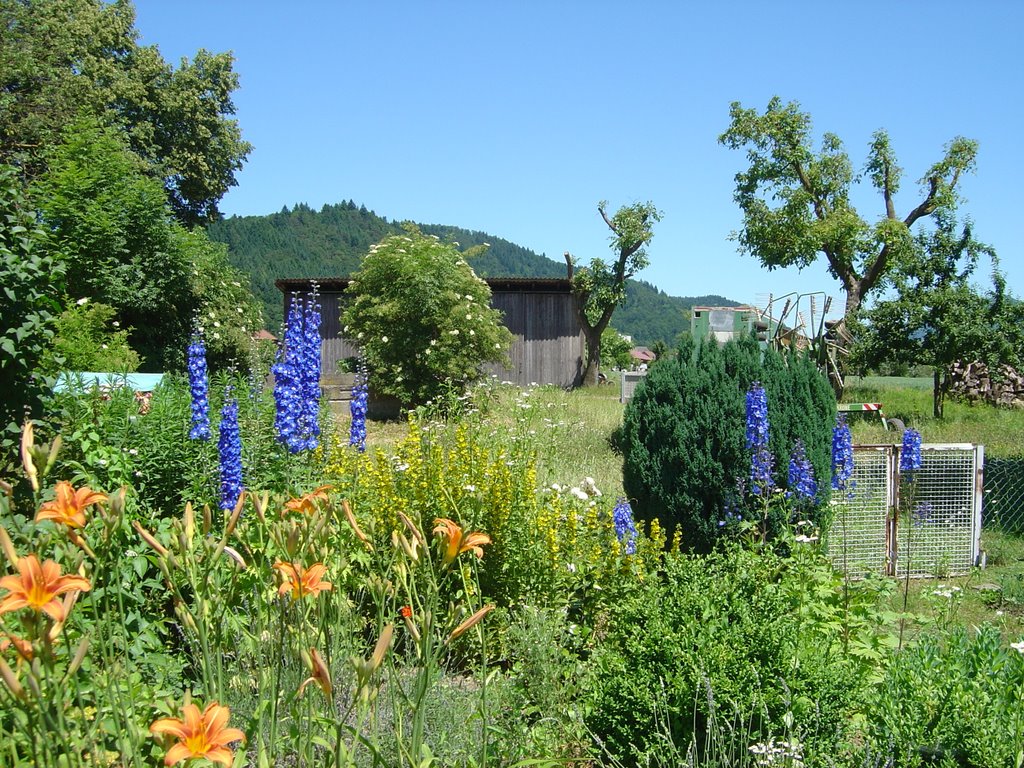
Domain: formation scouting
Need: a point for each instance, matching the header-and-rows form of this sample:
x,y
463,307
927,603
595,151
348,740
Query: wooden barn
x,y
548,345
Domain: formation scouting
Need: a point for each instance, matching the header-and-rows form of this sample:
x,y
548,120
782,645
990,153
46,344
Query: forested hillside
x,y
302,242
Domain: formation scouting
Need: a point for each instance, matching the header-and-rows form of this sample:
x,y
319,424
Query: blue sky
x,y
516,118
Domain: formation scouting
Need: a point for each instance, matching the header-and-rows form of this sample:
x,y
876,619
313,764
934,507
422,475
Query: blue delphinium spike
x,y
842,456
199,387
358,408
802,484
910,451
229,445
757,440
625,527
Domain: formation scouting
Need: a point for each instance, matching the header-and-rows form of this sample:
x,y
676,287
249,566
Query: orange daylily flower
x,y
457,541
200,735
321,673
68,505
37,587
302,581
307,502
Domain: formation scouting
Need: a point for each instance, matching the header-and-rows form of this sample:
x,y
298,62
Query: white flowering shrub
x,y
422,318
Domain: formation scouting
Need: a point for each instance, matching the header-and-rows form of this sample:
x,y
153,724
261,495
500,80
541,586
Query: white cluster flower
x,y
946,592
777,753
579,493
1018,647
454,332
384,339
590,486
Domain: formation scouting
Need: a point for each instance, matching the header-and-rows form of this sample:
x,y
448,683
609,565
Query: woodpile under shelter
x,y
548,345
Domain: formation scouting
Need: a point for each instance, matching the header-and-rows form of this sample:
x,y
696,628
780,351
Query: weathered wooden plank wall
x,y
548,344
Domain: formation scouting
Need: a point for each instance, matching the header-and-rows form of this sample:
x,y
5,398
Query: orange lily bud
x,y
383,642
472,621
27,443
76,662
150,539
190,522
235,513
417,534
8,547
355,525
11,680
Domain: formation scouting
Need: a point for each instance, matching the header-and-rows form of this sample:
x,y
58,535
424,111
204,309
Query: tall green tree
x,y
601,287
934,314
31,283
796,201
62,59
121,246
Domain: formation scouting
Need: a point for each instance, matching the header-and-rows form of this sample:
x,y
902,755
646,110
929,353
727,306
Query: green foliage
x,y
953,699
718,654
796,200
683,435
422,318
302,242
31,280
112,226
64,59
123,248
227,311
934,315
615,349
601,287
88,338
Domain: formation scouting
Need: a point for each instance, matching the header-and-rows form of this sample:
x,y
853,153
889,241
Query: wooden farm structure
x,y
548,346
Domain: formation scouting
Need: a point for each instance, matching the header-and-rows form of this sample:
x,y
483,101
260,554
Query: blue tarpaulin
x,y
139,382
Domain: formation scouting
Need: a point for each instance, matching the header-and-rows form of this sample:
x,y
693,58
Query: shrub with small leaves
x,y
689,437
422,318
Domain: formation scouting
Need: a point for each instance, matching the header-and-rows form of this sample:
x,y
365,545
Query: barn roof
x,y
503,284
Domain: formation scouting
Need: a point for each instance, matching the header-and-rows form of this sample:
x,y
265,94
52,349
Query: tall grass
x,y
1000,430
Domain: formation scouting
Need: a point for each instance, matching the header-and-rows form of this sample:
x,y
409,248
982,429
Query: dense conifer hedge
x,y
685,458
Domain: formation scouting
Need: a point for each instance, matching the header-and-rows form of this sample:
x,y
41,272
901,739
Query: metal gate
x,y
928,525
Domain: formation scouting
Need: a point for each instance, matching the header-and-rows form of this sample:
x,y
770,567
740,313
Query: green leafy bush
x,y
685,458
31,281
737,642
89,338
952,699
422,318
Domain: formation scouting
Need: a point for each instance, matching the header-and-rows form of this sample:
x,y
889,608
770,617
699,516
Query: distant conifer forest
x,y
303,242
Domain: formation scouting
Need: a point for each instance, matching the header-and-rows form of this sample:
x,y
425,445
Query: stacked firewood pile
x,y
973,381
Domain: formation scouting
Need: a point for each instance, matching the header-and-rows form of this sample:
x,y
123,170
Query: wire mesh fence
x,y
858,536
935,523
927,523
1004,494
